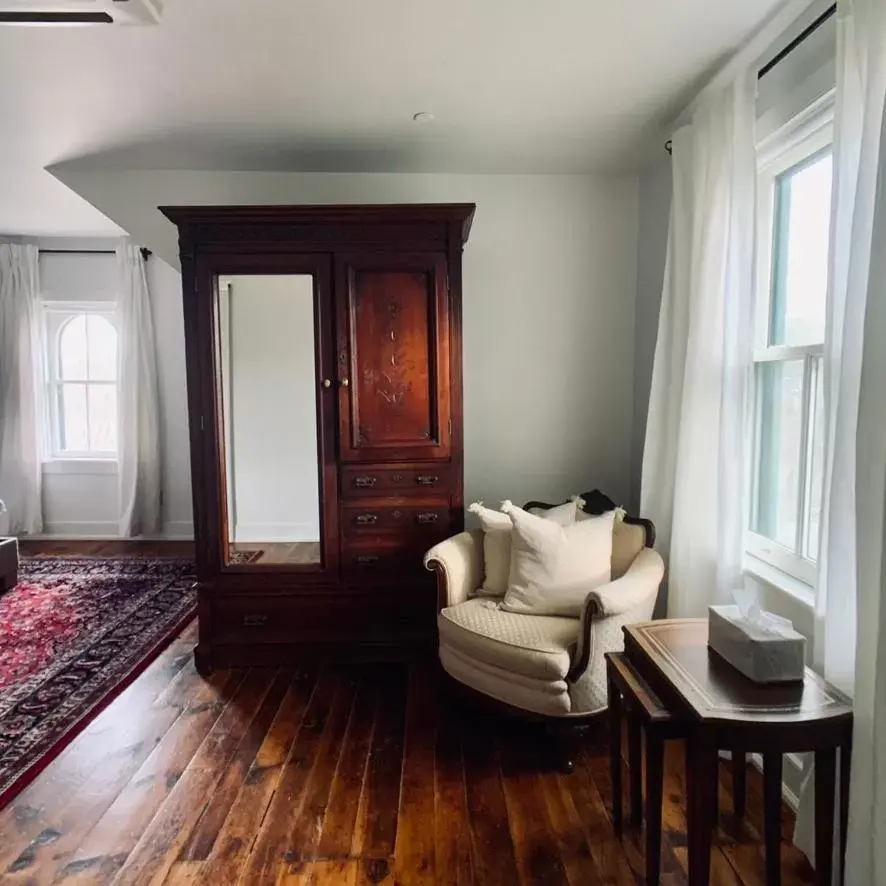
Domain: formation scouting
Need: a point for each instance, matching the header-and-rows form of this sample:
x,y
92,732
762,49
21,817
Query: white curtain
x,y
694,461
139,411
20,463
850,639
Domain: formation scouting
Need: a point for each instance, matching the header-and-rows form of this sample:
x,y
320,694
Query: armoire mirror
x,y
268,419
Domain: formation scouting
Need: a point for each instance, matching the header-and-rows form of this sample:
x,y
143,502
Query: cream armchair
x,y
545,666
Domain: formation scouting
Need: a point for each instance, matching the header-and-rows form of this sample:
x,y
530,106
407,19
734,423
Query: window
x,y
81,343
791,308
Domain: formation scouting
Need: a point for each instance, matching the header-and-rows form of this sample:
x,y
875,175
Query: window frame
x,y
56,315
800,141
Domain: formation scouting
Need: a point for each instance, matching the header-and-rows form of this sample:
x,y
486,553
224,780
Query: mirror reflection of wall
x,y
269,396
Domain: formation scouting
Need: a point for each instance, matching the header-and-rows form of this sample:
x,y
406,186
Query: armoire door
x,y
272,479
393,357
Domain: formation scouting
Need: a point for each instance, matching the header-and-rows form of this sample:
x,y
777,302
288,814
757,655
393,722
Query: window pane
x,y
72,349
816,465
102,349
800,252
780,417
102,418
72,418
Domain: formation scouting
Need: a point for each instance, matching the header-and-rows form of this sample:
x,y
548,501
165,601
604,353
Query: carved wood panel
x,y
395,359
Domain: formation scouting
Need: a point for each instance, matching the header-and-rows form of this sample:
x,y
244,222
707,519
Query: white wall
x,y
272,405
549,290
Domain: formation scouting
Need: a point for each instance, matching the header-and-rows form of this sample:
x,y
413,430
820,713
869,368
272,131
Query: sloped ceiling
x,y
272,85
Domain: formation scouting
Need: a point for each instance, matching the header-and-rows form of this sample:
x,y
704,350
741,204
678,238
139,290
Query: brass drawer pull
x,y
365,482
367,559
426,479
429,517
366,519
255,621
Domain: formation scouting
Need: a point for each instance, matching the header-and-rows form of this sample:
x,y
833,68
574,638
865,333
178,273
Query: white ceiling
x,y
515,86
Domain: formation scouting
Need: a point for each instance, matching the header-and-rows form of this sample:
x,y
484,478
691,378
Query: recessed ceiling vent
x,y
80,12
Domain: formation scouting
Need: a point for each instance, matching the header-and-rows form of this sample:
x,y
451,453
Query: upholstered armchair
x,y
548,667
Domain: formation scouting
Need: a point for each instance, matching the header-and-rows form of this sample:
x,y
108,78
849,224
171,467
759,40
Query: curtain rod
x,y
146,253
804,35
779,57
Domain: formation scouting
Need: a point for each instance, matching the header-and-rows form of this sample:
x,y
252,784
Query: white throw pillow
x,y
497,528
554,567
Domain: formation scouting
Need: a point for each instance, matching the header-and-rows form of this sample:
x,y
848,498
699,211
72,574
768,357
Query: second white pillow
x,y
497,528
554,567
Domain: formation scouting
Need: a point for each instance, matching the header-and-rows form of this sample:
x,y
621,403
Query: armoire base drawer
x,y
332,620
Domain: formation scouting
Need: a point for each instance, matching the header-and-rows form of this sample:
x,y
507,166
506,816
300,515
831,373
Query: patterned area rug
x,y
74,632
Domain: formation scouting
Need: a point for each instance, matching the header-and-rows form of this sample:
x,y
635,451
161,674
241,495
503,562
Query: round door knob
x,y
345,382
327,383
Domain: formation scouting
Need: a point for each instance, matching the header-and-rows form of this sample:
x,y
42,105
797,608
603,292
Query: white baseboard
x,y
179,530
82,529
792,777
276,532
87,530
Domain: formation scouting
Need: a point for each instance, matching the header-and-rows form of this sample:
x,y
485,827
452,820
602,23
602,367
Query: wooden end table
x,y
727,711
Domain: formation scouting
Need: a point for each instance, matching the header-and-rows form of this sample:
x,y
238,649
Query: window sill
x,y
762,571
81,466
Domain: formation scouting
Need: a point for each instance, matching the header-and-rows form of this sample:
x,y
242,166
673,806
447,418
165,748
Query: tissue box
x,y
765,655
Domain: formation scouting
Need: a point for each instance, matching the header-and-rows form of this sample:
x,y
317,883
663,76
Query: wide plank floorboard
x,y
340,776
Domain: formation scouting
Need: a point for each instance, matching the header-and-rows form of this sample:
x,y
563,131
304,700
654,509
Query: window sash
x,y
56,314
799,143
793,152
792,560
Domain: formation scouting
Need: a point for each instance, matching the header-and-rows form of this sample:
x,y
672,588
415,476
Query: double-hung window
x,y
81,370
793,239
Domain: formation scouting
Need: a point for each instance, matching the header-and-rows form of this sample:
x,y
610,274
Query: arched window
x,y
83,372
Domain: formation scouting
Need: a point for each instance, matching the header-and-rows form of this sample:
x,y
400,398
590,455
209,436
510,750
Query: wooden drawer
x,y
339,618
390,557
382,480
403,516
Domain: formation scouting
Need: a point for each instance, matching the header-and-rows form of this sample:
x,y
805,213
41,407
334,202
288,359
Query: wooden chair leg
x,y
654,787
772,780
635,769
615,715
739,784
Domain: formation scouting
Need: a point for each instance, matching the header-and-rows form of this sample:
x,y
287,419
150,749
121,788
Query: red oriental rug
x,y
74,632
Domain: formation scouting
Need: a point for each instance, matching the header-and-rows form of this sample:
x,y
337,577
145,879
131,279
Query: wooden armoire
x,y
328,334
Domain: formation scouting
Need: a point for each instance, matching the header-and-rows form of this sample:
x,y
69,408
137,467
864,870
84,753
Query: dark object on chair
x,y
8,564
597,503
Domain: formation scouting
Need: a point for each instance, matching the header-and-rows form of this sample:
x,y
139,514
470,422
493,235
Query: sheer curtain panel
x,y
694,459
850,623
138,411
20,462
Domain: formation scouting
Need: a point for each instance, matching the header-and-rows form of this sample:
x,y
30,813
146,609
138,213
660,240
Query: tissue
x,y
763,646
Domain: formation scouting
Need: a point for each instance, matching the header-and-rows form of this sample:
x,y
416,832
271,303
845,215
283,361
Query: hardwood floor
x,y
272,552
337,775
111,547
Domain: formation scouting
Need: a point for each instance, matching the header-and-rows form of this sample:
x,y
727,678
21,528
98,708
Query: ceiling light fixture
x,y
423,117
